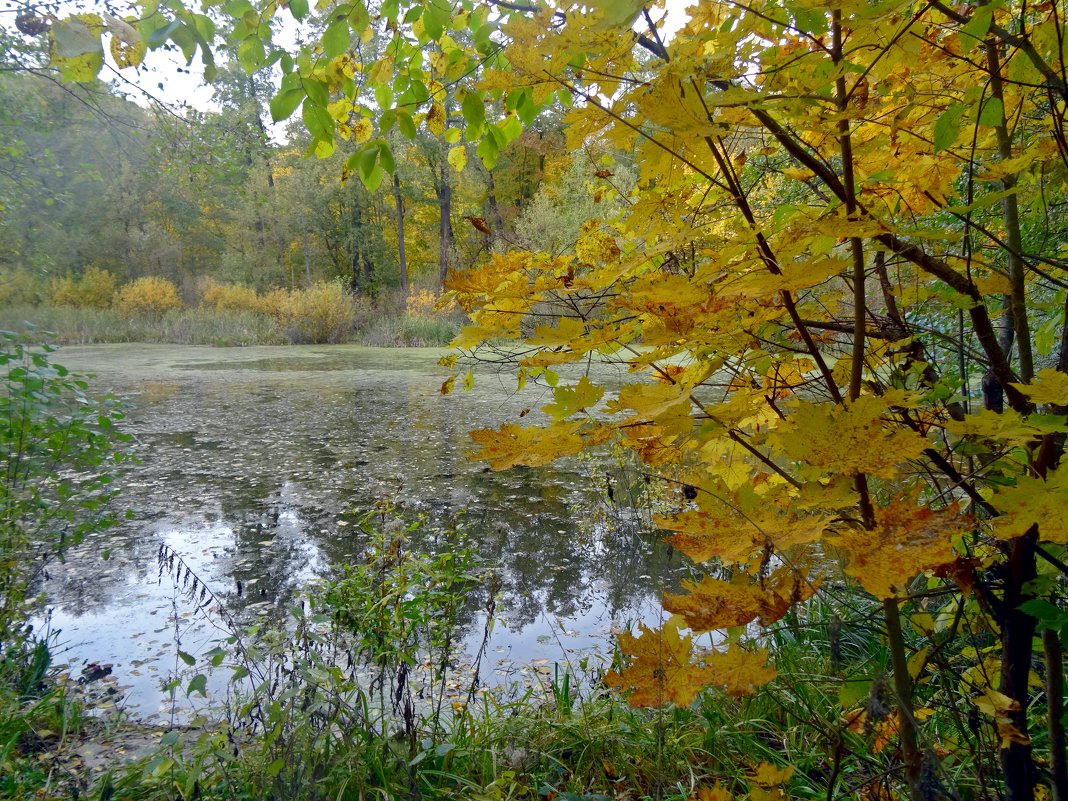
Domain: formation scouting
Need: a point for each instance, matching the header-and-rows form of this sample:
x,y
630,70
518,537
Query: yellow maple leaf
x,y
715,793
570,400
740,672
1034,501
595,246
511,445
767,774
660,668
733,537
717,604
842,440
1049,386
1008,427
908,539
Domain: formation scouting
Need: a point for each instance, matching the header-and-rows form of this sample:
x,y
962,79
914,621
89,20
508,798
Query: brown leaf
x,y
479,224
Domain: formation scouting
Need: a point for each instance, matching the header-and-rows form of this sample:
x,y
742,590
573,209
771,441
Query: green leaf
x,y
189,659
275,767
809,20
318,121
374,179
993,113
383,96
250,53
198,684
299,9
367,161
155,36
317,91
474,111
512,129
336,38
947,127
976,29
285,103
170,738
435,18
359,19
76,36
406,124
385,155
488,152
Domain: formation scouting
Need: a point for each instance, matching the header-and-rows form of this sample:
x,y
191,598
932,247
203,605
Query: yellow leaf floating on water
x,y
907,540
1034,501
843,440
1049,386
511,445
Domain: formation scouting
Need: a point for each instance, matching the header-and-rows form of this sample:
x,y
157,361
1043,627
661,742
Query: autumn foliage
x,y
150,296
93,289
838,286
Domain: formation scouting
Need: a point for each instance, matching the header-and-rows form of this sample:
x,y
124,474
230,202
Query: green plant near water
x,y
59,450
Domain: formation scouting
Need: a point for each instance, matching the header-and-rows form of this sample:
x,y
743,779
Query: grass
x,y
224,328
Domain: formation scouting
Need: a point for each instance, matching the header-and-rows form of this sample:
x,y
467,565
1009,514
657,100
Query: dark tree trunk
x,y
445,231
402,260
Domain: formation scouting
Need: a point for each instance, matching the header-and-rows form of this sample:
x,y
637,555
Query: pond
x,y
256,465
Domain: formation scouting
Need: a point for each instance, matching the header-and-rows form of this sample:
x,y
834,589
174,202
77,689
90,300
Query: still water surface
x,y
255,465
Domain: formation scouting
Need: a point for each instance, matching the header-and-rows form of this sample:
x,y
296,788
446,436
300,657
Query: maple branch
x,y
1022,43
766,460
1010,215
766,253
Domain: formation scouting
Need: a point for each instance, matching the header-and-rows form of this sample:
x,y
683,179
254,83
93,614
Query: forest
x,y
788,277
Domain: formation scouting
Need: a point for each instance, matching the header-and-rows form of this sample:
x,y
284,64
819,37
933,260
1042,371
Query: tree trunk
x,y
402,260
445,232
491,201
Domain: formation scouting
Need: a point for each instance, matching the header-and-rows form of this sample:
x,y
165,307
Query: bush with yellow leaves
x,y
94,289
150,296
322,313
421,303
222,296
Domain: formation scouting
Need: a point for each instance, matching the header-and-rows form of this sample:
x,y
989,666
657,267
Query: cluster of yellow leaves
x,y
740,315
908,538
664,666
719,604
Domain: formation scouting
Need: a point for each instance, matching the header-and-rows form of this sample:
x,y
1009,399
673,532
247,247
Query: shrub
x,y
228,297
421,303
322,313
20,287
150,296
93,290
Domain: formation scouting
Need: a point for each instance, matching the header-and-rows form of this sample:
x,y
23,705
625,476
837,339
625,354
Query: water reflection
x,y
255,465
